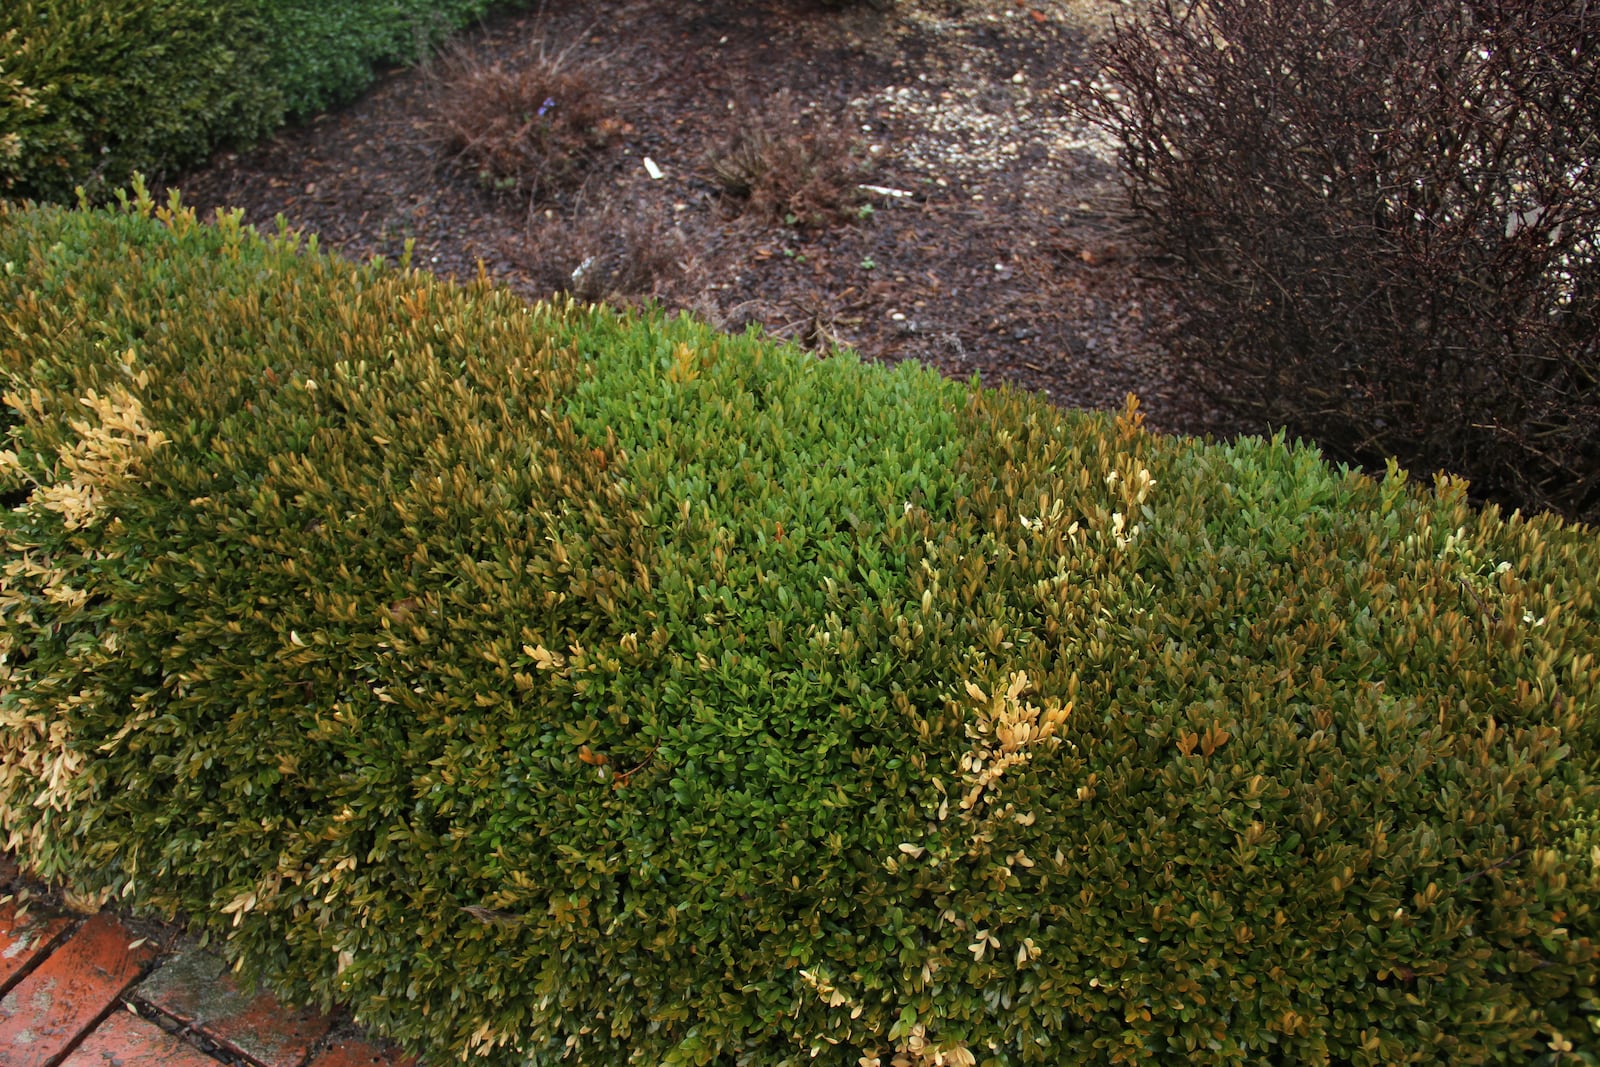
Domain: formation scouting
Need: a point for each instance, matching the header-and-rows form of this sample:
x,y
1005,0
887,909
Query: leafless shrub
x,y
525,130
789,165
1384,217
612,256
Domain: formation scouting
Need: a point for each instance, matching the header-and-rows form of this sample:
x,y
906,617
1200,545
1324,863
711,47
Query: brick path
x,y
87,992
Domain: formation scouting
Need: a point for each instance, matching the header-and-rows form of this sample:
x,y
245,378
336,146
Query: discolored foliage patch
x,y
548,684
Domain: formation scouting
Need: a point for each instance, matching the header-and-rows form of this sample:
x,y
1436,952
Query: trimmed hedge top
x,y
545,684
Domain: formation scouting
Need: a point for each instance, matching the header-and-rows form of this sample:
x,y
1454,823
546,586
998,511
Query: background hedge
x,y
93,90
323,53
543,683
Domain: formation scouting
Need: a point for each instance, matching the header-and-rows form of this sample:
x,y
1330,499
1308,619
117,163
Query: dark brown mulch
x,y
1008,259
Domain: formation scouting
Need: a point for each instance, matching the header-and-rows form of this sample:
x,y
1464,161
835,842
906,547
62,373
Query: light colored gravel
x,y
984,120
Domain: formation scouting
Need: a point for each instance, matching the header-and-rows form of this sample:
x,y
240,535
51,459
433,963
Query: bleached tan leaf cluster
x,y
1135,491
106,449
828,993
1005,731
916,1050
37,763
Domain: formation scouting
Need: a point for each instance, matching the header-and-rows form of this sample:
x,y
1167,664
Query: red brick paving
x,y
67,984
360,1054
125,1040
196,989
25,943
46,1012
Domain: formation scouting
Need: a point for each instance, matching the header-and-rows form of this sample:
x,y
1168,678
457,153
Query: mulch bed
x,y
1009,259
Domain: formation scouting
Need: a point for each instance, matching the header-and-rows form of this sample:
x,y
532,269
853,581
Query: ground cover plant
x,y
523,131
555,685
620,259
790,167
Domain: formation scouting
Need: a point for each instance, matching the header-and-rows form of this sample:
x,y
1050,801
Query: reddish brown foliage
x,y
1385,221
790,165
524,130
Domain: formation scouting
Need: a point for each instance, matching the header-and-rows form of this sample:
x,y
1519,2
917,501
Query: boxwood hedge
x,y
324,51
93,90
552,685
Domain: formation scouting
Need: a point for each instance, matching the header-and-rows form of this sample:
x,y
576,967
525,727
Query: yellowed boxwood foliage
x,y
548,685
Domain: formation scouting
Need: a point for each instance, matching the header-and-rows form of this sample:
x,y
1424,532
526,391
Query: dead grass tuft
x,y
526,130
613,256
791,165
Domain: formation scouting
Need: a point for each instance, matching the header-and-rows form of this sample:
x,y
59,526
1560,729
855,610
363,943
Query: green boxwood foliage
x,y
558,686
323,51
91,89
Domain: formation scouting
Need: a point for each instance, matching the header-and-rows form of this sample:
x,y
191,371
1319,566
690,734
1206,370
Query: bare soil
x,y
993,242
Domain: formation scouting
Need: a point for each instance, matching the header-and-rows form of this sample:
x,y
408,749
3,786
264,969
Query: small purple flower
x,y
549,102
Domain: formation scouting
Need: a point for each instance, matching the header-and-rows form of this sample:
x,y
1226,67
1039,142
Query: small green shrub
x,y
565,687
324,51
91,90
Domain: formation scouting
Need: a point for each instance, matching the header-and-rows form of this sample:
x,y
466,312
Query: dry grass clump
x,y
791,164
526,130
616,257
